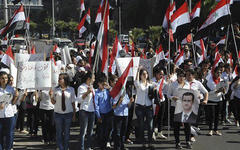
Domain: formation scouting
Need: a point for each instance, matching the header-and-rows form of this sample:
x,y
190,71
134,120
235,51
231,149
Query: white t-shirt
x,y
45,101
142,93
87,103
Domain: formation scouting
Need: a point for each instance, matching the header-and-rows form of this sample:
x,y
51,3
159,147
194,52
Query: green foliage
x,y
33,25
60,24
48,21
72,25
112,32
136,33
154,32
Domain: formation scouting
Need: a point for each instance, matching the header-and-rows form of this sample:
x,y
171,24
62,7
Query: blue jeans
x,y
86,126
13,127
63,124
141,113
6,130
120,128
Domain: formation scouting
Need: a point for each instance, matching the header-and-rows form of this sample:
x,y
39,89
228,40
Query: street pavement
x,y
230,140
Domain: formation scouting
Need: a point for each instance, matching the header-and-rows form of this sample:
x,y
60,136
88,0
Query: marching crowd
x,y
85,97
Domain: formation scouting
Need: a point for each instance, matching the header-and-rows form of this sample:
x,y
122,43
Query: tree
x,y
61,25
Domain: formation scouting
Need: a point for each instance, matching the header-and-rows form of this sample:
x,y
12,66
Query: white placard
x,y
65,55
148,65
28,57
122,64
55,75
13,71
34,75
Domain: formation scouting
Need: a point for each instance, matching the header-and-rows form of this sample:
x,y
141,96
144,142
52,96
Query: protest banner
x,y
148,65
28,57
122,64
34,75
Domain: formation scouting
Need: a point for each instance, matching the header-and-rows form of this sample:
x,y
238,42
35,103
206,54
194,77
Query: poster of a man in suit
x,y
187,107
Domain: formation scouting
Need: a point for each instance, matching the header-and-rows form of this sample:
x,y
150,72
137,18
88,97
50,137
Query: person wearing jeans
x,y
143,107
63,97
87,110
6,112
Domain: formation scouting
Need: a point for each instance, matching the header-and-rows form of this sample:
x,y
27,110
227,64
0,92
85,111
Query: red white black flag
x,y
217,18
17,22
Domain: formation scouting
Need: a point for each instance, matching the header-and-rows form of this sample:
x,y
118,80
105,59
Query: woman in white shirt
x,y
63,97
143,106
6,112
214,101
46,111
87,110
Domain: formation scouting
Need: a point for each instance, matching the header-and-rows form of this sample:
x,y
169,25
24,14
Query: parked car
x,y
19,44
61,42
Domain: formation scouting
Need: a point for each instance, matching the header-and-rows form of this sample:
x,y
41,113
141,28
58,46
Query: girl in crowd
x,y
87,110
160,84
120,122
46,110
235,96
6,112
214,101
63,97
103,111
172,95
143,107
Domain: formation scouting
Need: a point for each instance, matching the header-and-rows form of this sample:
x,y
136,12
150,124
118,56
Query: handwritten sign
x,y
122,64
34,75
55,74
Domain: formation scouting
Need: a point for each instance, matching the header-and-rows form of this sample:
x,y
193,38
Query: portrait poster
x,y
6,98
187,105
148,65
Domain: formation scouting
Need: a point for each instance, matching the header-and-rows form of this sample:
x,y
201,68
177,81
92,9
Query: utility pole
x,y
119,17
53,19
5,11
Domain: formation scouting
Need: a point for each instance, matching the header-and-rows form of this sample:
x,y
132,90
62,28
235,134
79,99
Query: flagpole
x,y
98,45
234,40
53,19
227,37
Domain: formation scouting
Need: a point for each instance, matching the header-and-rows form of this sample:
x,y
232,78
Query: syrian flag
x,y
17,22
171,8
115,54
218,17
82,8
103,39
52,59
126,48
179,60
222,41
230,60
82,26
204,53
159,55
28,23
218,59
195,14
188,39
235,72
56,49
8,57
167,54
119,89
88,18
99,15
133,49
180,22
33,50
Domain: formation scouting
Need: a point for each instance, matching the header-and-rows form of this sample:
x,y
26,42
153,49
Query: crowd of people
x,y
85,97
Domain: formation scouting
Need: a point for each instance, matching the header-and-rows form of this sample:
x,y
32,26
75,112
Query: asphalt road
x,y
230,140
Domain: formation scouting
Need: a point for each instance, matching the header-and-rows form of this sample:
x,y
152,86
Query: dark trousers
x,y
130,122
120,127
105,128
212,114
187,131
158,118
47,122
20,119
236,108
172,110
32,120
143,112
5,133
